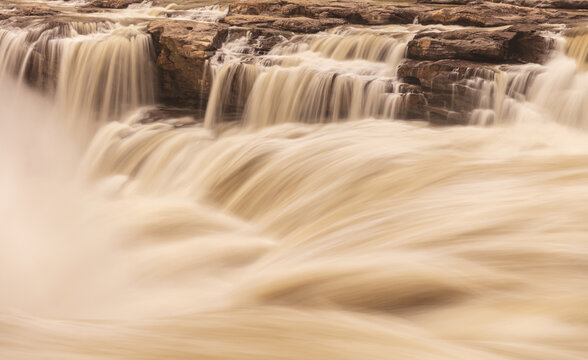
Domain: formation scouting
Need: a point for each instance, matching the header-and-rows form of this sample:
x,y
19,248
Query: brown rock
x,y
182,48
260,40
516,43
29,11
448,97
487,14
445,2
294,24
329,13
546,4
112,4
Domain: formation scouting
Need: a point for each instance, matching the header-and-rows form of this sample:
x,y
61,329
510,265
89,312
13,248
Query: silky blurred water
x,y
350,238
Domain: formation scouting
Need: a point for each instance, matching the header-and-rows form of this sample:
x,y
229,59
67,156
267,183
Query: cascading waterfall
x,y
108,74
313,227
577,46
346,73
556,91
96,71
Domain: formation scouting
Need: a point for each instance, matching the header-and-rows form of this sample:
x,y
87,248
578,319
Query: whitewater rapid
x,y
347,237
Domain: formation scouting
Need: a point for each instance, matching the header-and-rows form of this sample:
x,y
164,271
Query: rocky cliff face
x,y
438,65
182,49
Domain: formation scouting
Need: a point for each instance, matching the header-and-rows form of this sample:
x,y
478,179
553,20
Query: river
x,y
318,226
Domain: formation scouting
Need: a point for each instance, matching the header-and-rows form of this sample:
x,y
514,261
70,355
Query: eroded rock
x,y
182,48
314,15
449,98
516,43
112,4
487,14
545,4
297,24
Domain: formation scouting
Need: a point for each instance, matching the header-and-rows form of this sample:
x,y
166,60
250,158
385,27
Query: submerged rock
x,y
182,48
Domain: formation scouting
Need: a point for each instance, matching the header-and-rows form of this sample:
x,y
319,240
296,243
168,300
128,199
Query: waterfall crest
x,y
96,71
347,73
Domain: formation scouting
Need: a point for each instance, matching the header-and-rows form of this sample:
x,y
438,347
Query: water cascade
x,y
346,73
96,70
301,218
577,46
554,92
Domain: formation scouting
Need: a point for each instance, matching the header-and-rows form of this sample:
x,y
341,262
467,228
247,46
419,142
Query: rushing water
x,y
316,228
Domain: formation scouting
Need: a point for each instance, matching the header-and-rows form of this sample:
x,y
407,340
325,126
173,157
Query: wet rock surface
x,y
295,24
448,96
182,48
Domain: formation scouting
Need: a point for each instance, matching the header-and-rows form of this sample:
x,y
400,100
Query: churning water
x,y
316,228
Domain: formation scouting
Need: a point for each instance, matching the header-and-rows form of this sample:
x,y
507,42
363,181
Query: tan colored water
x,y
345,239
577,46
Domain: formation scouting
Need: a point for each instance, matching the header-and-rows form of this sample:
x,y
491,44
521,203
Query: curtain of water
x,y
347,73
96,71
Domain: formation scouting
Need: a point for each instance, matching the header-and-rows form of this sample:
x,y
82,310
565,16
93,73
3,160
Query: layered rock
x,y
113,4
546,4
312,16
487,14
37,11
297,24
437,74
516,43
446,66
182,49
448,95
440,62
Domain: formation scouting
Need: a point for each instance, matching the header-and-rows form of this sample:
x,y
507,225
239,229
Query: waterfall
x,y
577,46
345,73
107,74
302,217
554,92
96,71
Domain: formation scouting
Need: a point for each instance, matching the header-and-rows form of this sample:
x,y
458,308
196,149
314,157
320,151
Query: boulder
x,y
182,48
516,43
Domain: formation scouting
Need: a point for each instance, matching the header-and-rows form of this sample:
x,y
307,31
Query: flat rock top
x,y
466,13
198,36
548,4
